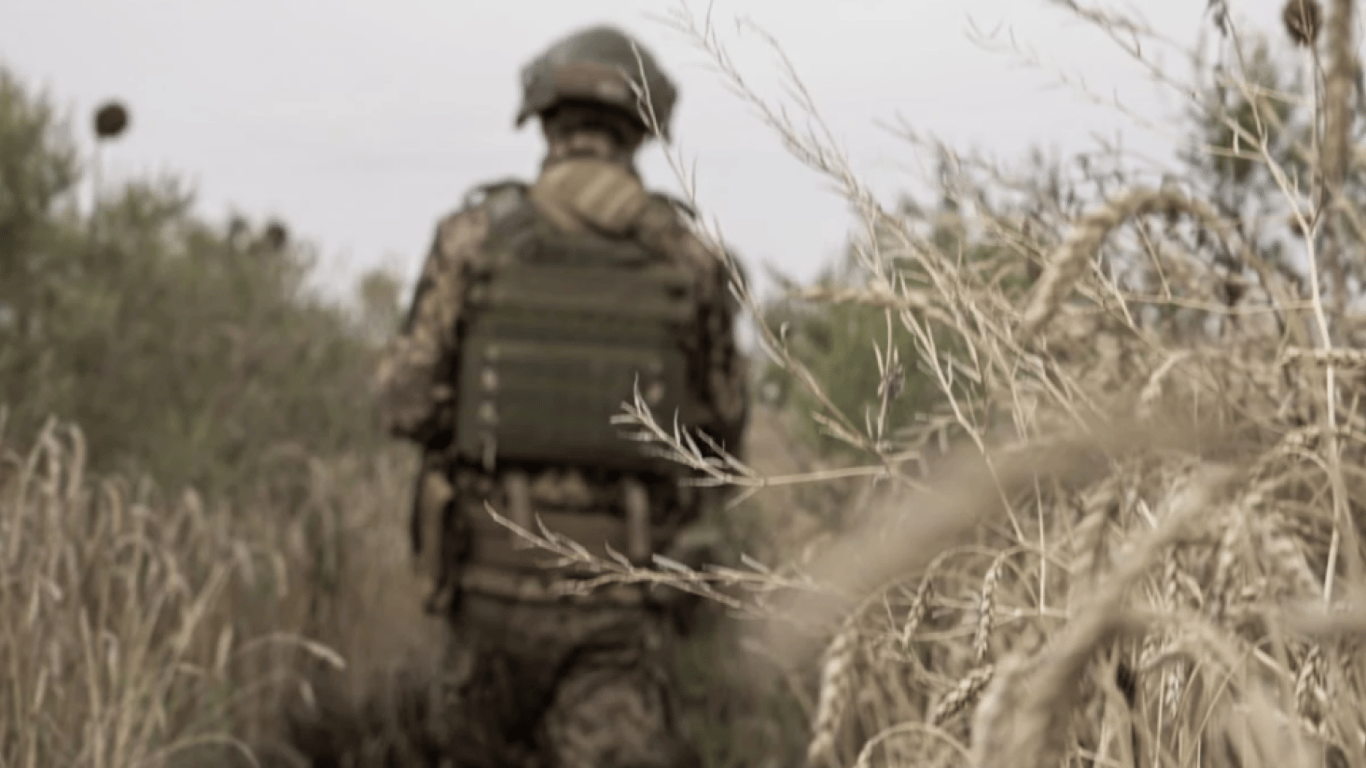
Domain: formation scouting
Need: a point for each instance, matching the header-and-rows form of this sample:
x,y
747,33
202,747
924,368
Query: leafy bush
x,y
183,348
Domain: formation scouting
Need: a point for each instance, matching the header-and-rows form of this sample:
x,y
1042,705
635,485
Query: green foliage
x,y
1226,164
185,349
1228,130
1276,115
840,342
38,169
380,294
836,343
1219,154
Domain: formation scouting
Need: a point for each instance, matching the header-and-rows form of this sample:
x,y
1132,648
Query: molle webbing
x,y
561,331
630,534
496,546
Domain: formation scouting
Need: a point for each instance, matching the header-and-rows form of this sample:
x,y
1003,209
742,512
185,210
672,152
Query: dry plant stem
x,y
723,468
926,338
1325,345
865,758
1335,143
1337,96
1031,738
962,695
966,494
1086,238
110,610
773,344
1269,547
809,152
1337,118
837,689
1130,36
1043,552
617,570
1255,95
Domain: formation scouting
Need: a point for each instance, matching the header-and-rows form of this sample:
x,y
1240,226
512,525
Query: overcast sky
x,y
360,123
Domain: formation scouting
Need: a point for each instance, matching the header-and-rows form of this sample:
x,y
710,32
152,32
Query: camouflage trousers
x,y
559,686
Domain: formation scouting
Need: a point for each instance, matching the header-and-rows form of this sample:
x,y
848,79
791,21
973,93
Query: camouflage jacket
x,y
415,379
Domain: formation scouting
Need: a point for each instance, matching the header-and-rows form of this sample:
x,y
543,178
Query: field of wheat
x,y
1128,534
1123,530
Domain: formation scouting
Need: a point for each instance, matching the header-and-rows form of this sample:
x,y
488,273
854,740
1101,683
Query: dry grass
x,y
1139,548
1144,545
139,629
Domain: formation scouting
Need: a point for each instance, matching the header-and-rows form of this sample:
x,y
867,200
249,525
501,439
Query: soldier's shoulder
x,y
483,206
684,238
495,198
680,206
712,262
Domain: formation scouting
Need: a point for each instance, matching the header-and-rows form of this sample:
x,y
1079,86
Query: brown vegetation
x,y
1143,548
1088,489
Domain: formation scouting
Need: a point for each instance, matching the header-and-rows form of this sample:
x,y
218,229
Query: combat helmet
x,y
596,64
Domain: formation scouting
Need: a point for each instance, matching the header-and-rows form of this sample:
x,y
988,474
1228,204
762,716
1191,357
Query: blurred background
x,y
361,123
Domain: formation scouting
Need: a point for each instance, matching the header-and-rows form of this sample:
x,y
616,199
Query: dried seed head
x,y
1302,19
963,694
1293,223
111,119
837,692
277,236
981,641
1232,290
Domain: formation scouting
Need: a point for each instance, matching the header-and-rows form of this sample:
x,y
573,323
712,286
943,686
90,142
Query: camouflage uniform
x,y
535,678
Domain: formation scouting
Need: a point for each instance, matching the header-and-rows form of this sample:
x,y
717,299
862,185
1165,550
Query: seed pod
x,y
1303,19
111,120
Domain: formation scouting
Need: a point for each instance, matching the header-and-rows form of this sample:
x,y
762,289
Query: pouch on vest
x,y
561,329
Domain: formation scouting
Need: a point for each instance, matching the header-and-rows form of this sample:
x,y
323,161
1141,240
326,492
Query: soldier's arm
x,y
724,382
727,374
413,383
722,372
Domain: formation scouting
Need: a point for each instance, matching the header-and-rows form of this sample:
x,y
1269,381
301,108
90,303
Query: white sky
x,y
360,123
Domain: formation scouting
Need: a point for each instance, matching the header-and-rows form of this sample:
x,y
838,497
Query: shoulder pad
x,y
676,203
499,197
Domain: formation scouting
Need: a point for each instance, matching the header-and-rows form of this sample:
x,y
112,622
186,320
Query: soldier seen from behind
x,y
540,309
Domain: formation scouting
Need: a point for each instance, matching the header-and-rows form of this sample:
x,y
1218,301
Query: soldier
x,y
541,308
